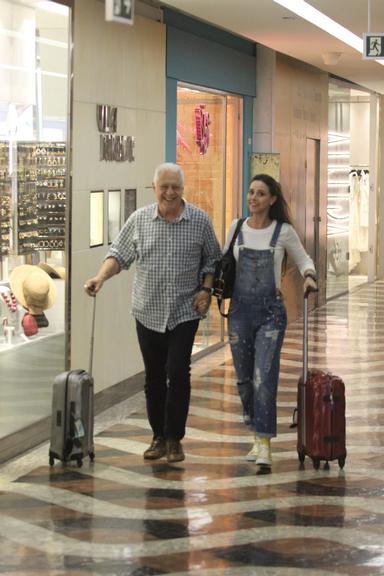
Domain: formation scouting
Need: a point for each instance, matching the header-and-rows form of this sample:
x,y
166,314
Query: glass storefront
x,y
34,97
209,148
348,188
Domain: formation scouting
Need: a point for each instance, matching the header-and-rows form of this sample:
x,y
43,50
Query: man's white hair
x,y
172,167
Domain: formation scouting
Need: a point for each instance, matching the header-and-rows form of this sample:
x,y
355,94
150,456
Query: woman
x,y
257,317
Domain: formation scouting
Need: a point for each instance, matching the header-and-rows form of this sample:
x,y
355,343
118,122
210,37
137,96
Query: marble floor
x,y
211,515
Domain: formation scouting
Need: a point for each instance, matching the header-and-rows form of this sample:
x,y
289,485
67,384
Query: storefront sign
x,y
113,147
119,11
373,46
106,117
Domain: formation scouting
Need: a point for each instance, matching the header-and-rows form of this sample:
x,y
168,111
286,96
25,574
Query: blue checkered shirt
x,y
171,261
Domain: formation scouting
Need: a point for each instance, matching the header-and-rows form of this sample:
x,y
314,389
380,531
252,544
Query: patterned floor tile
x,y
211,515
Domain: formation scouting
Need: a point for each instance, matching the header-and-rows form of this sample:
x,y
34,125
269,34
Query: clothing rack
x,y
359,171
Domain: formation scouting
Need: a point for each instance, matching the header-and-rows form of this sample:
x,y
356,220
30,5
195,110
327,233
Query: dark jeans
x,y
167,361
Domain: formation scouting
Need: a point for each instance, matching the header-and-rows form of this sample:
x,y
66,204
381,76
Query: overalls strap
x,y
275,234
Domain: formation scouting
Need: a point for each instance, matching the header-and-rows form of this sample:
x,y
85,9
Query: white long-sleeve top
x,y
259,239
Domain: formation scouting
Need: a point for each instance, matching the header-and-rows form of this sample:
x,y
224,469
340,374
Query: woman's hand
x,y
309,283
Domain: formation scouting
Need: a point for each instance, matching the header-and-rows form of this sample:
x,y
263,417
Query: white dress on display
x,y
364,211
354,220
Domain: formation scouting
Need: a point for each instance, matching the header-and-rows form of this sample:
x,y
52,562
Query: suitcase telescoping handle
x,y
92,336
305,366
305,333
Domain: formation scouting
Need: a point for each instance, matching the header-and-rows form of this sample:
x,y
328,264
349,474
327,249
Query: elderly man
x,y
175,249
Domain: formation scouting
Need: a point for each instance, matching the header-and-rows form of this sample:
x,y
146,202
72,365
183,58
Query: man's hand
x,y
93,285
202,301
109,268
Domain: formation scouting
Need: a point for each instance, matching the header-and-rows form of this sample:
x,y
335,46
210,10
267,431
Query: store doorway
x,y
209,149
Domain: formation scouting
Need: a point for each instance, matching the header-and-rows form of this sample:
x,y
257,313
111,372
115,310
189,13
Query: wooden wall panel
x,y
301,112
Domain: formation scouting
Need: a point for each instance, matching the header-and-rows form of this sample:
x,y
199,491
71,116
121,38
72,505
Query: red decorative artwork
x,y
202,123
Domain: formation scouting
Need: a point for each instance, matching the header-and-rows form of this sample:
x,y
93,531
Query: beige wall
x,y
291,106
301,112
123,66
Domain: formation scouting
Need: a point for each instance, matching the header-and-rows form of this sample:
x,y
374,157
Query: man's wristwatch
x,y
206,289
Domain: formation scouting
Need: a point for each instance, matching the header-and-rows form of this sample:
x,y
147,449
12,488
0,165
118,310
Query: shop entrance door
x,y
209,149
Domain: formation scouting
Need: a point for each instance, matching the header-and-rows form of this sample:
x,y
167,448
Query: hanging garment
x,y
354,220
364,211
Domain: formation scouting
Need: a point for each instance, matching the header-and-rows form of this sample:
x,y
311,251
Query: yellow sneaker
x,y
253,453
264,456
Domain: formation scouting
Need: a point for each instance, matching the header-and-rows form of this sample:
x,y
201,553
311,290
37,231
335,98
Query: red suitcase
x,y
321,411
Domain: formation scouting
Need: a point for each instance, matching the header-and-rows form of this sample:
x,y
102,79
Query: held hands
x,y
201,302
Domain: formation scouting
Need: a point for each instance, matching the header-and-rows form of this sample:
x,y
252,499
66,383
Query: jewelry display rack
x,y
27,233
5,201
41,198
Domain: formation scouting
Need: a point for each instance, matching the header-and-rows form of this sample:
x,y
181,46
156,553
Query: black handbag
x,y
225,272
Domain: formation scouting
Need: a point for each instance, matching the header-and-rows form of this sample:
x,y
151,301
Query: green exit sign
x,y
373,46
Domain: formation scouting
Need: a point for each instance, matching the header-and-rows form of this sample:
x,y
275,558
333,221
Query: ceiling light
x,y
331,58
317,18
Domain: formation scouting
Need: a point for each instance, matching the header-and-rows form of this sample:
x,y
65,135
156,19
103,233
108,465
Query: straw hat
x,y
58,272
33,288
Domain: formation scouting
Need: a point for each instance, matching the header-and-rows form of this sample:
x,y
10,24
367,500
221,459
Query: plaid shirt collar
x,y
185,215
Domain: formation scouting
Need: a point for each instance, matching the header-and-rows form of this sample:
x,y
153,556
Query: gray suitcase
x,y
72,413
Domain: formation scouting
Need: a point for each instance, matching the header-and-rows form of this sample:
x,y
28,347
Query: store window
x,y
348,188
34,95
209,148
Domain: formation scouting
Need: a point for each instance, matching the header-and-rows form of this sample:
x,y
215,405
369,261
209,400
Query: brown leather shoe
x,y
157,449
175,451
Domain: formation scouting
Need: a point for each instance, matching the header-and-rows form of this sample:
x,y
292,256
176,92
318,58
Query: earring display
x,y
41,196
5,201
27,232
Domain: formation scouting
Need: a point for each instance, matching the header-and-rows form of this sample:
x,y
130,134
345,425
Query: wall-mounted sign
x,y
113,147
96,215
130,203
118,148
114,214
119,11
202,123
265,163
106,117
373,46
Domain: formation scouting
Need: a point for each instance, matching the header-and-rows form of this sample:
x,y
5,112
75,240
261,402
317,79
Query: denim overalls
x,y
256,324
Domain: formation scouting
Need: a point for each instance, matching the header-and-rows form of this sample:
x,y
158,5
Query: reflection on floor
x,y
211,515
337,285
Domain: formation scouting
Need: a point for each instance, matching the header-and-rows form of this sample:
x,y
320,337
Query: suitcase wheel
x,y
316,463
51,460
341,461
92,456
